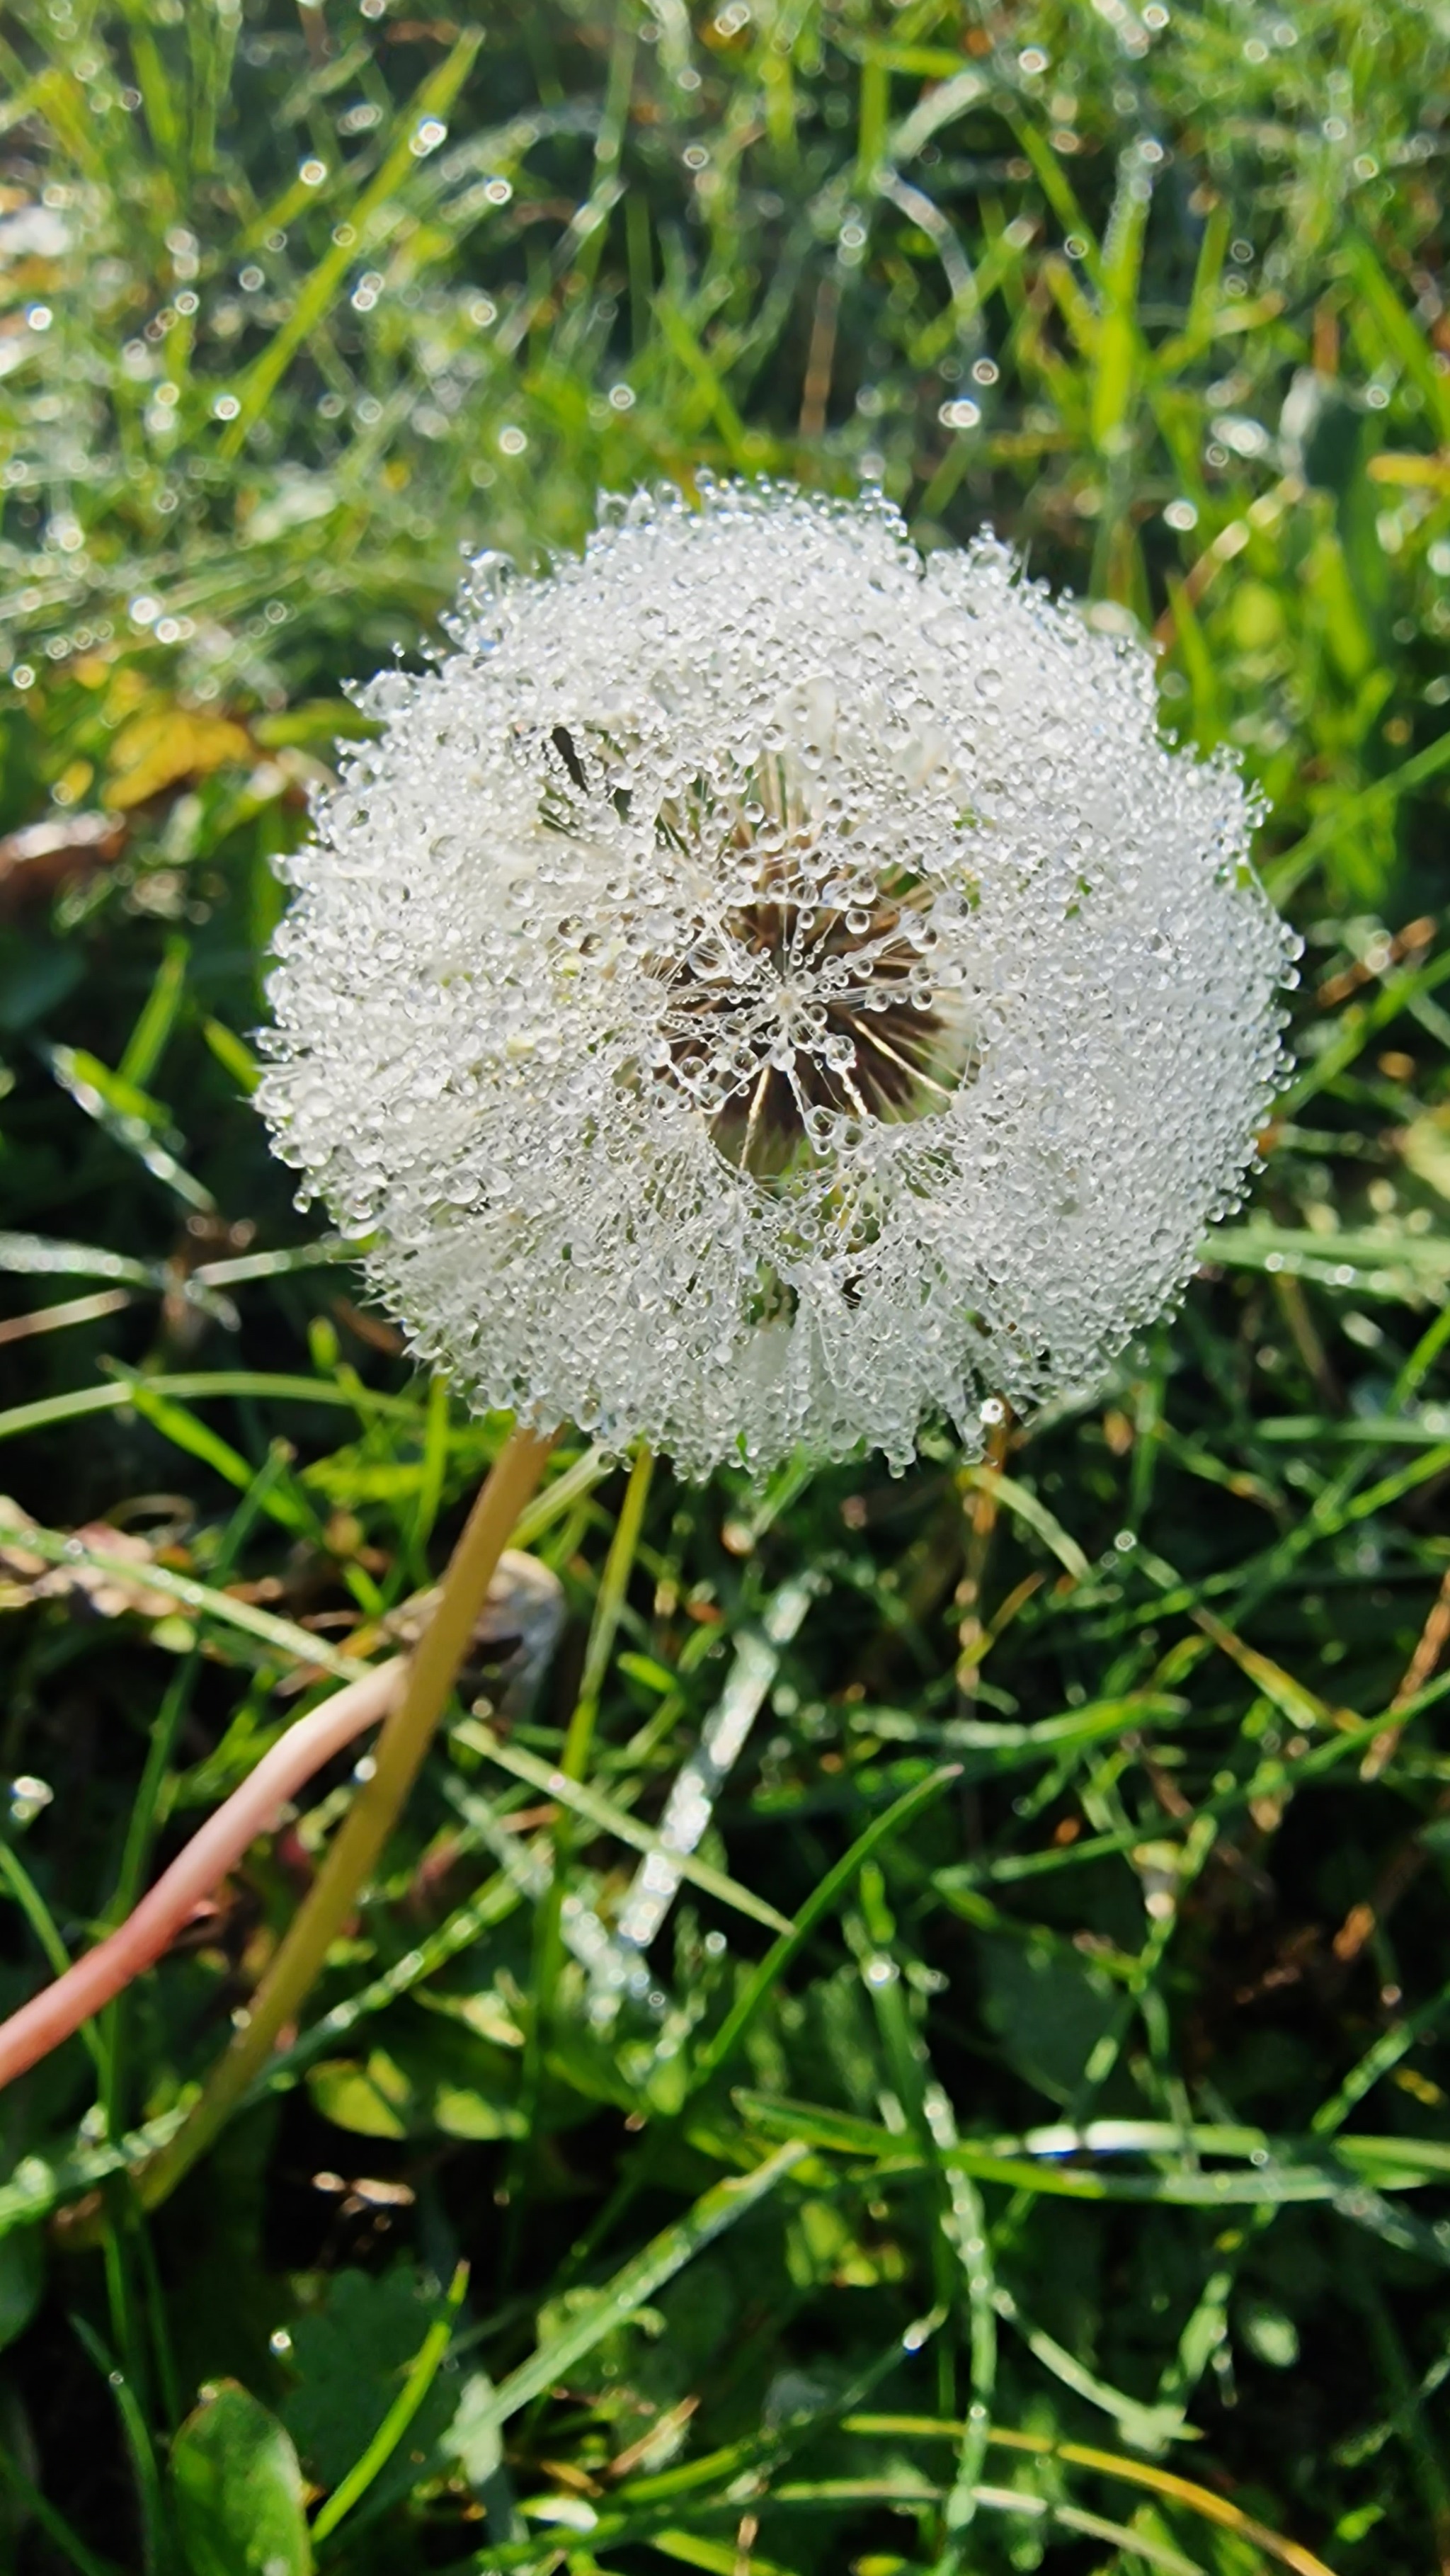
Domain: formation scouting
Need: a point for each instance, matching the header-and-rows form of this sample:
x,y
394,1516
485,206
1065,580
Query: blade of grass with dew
x,y
639,2279
610,1818
762,1981
419,2378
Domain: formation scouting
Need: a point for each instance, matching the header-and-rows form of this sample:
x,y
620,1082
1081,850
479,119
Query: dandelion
x,y
758,992
763,990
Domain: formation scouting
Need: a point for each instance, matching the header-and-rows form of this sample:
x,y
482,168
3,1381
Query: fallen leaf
x,y
26,1577
159,749
37,860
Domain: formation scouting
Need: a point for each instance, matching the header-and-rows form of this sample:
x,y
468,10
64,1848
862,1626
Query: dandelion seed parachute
x,y
764,990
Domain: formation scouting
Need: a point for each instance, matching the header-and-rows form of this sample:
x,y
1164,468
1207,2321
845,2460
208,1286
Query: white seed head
x,y
762,990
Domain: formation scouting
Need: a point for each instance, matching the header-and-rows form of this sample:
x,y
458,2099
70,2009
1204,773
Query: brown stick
x,y
59,2009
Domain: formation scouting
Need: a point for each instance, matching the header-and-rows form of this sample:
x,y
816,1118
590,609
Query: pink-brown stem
x,y
59,2009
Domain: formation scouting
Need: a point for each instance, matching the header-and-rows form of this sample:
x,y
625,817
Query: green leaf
x,y
236,2490
401,2416
439,2078
374,2100
353,2354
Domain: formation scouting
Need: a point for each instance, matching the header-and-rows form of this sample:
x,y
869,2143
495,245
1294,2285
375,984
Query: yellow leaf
x,y
73,781
1425,1146
1397,467
157,750
1418,2086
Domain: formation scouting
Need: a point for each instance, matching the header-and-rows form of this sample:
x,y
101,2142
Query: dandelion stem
x,y
401,1747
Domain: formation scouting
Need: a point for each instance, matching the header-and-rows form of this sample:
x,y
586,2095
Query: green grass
x,y
1067,2184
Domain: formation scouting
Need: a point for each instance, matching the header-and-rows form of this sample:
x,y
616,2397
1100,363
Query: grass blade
x,y
818,1906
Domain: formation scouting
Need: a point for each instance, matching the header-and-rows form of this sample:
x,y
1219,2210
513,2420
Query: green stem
x,y
614,1583
579,1740
15,1878
422,2371
402,1745
574,1764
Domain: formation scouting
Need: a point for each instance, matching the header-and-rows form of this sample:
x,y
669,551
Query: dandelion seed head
x,y
761,989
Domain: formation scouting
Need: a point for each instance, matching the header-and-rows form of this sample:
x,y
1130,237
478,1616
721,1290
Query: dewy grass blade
x,y
821,1902
260,1386
36,1256
131,1121
964,2224
40,2184
697,1785
1403,1263
609,1818
26,1895
1280,2168
140,2446
241,1268
1075,1726
421,2373
1018,1498
1109,2464
432,101
1147,2428
1384,2054
637,2282
573,1767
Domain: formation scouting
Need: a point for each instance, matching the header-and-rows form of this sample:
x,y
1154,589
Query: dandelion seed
x,y
763,990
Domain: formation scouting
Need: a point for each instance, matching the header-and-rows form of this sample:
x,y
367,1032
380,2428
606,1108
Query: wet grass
x,y
1066,2183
